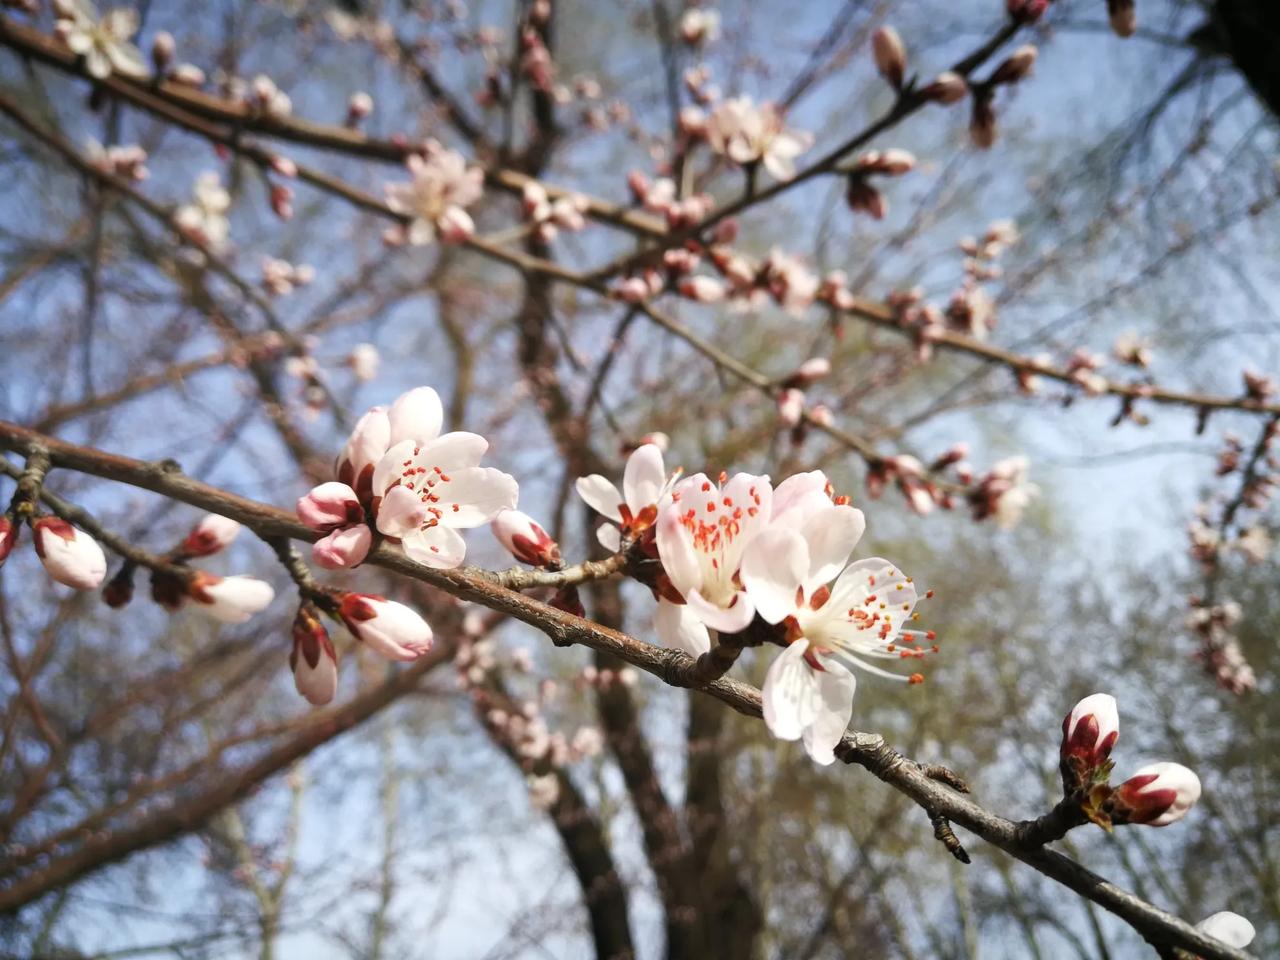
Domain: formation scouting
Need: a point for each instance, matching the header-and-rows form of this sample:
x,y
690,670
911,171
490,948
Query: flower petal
x,y
644,477
416,415
475,495
454,451
600,495
392,465
790,694
831,535
727,619
609,537
680,630
439,546
401,512
774,566
836,686
675,549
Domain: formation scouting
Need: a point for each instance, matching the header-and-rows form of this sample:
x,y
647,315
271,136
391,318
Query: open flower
x,y
748,134
69,555
702,533
645,487
414,486
205,218
230,599
389,628
435,200
103,42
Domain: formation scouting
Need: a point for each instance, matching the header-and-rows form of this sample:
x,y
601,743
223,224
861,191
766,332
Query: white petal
x,y
679,629
392,465
797,489
1231,928
774,566
836,687
675,549
439,546
600,495
401,512
453,451
729,619
790,694
475,496
831,535
610,537
416,415
643,478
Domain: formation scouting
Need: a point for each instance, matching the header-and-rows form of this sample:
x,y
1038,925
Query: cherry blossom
x,y
205,218
646,487
435,200
702,534
103,42
808,691
749,134
69,555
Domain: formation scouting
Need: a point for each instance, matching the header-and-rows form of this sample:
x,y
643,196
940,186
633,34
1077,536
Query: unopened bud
x,y
358,107
893,162
119,589
313,660
864,198
395,631
790,406
890,55
1123,17
982,123
947,87
212,534
1089,732
8,537
162,50
525,539
1157,795
1231,928
69,555
1016,66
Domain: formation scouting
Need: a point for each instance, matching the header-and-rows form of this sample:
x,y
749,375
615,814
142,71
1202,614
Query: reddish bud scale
x,y
8,537
119,589
567,599
168,589
310,639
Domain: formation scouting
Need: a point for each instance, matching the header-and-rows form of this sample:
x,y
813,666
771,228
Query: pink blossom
x,y
524,538
389,628
313,659
211,535
230,599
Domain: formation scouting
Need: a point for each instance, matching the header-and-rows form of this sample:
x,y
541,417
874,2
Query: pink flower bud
x,y
982,123
1159,794
1123,17
1231,928
365,447
363,361
632,290
389,628
358,107
890,54
330,506
455,225
809,372
947,87
525,539
69,555
162,50
1027,11
790,406
1089,732
893,162
702,289
284,166
230,599
822,415
313,660
119,589
864,198
211,535
1016,66
344,548
8,537
188,74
